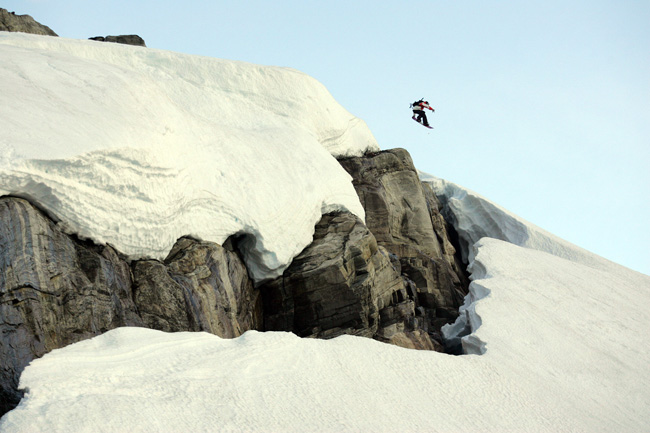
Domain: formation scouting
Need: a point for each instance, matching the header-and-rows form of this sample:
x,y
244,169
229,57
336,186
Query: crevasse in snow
x,y
137,147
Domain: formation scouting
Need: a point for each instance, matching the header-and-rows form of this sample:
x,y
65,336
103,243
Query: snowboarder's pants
x,y
421,117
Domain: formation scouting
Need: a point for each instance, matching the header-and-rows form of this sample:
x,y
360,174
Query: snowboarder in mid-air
x,y
418,112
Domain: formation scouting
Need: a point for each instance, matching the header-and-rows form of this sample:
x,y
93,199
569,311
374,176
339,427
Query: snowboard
x,y
430,127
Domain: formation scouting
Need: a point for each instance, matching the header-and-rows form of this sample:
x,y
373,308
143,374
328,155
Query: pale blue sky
x,y
541,106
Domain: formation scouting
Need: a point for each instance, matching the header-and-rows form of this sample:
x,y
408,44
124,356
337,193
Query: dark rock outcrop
x,y
404,216
121,39
331,287
396,278
10,22
200,287
447,238
343,283
56,290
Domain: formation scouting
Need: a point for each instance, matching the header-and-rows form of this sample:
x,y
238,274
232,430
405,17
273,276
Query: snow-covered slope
x,y
179,144
567,352
175,144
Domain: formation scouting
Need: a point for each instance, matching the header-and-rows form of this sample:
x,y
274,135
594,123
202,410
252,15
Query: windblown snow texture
x,y
137,147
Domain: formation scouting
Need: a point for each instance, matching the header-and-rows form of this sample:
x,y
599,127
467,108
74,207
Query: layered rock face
x,y
397,278
337,285
200,287
56,290
404,216
10,22
53,291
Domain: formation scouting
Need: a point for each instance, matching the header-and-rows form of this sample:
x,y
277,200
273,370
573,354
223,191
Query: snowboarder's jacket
x,y
421,105
418,111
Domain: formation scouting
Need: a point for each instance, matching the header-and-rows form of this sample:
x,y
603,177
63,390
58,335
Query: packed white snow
x,y
137,147
564,334
567,352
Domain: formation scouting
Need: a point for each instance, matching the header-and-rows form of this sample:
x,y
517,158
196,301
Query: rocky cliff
x,y
403,214
396,278
10,22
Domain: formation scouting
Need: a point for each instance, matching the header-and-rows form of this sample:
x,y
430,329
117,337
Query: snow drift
x,y
137,147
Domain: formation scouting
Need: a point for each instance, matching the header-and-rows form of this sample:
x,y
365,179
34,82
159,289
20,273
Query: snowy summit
x,y
137,147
